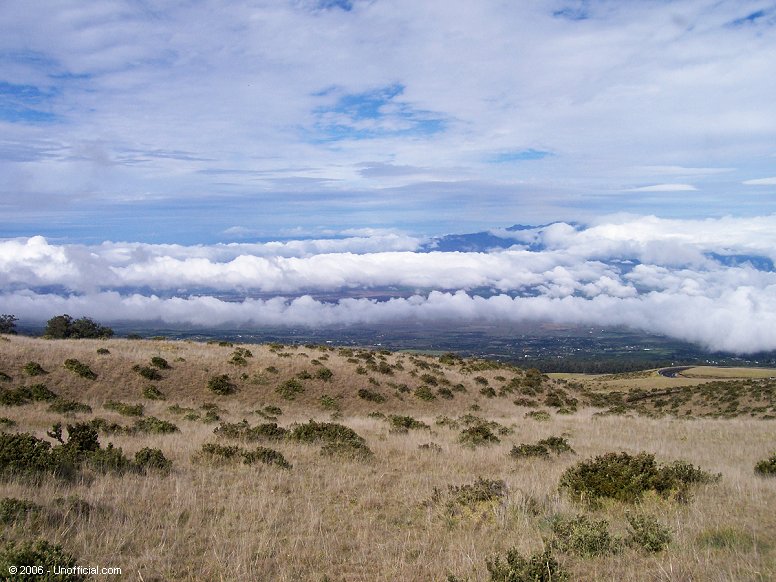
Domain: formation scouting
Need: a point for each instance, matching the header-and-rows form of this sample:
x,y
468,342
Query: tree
x,y
64,327
8,323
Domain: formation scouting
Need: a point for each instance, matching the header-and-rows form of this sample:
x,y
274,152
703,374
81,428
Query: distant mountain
x,y
480,242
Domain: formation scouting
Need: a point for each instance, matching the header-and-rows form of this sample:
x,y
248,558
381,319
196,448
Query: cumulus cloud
x,y
694,280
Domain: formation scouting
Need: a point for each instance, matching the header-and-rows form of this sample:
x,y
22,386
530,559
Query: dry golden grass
x,y
369,521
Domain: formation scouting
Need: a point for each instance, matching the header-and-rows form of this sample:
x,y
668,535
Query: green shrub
x,y
107,427
153,393
526,450
41,393
221,385
540,415
324,374
556,444
154,425
478,434
446,393
405,423
337,439
123,408
290,388
214,452
243,430
109,460
152,459
540,567
423,392
626,478
6,422
766,467
647,532
583,536
267,456
64,327
34,369
67,406
159,362
46,558
5,377
26,394
23,453
472,496
147,372
272,410
13,510
370,396
79,368
103,351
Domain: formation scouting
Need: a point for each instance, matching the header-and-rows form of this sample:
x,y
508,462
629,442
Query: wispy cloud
x,y
761,182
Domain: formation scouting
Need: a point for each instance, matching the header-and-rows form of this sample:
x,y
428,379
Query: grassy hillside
x,y
433,482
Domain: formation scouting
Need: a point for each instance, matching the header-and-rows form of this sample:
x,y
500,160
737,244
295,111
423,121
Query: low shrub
x,y
540,415
423,392
154,425
324,374
81,369
123,408
478,496
242,430
626,478
147,372
647,532
6,423
370,396
766,467
477,435
67,406
42,559
214,452
152,459
26,395
583,536
556,444
153,393
34,369
267,456
526,450
159,362
13,510
221,385
103,351
404,423
337,439
540,567
290,388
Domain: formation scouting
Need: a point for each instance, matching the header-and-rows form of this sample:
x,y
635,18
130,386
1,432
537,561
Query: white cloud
x,y
665,188
648,273
761,182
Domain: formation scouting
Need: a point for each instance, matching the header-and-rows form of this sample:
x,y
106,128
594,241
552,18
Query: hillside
x,y
417,467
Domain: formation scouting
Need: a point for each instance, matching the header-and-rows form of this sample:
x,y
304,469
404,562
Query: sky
x,y
175,151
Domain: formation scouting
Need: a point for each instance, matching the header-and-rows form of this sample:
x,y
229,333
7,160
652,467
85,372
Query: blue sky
x,y
187,122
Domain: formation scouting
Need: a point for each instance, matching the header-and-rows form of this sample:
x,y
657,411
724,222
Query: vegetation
x,y
65,327
221,385
79,368
766,467
8,324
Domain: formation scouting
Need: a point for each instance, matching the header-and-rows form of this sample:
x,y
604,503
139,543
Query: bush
x,y
103,351
152,459
766,467
425,393
337,439
25,395
290,388
405,423
266,456
556,444
148,373
540,415
478,434
221,385
153,393
526,450
213,452
324,374
42,557
541,567
123,408
109,460
83,370
583,536
368,395
6,422
480,495
23,453
8,324
647,532
626,478
242,430
41,393
159,362
34,369
154,425
66,406
13,510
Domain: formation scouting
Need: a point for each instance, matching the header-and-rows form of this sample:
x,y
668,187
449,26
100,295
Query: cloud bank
x,y
711,282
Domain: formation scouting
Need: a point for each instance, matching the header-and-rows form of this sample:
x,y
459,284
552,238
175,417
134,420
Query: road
x,y
672,372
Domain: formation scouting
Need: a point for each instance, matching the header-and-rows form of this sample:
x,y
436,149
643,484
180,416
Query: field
x,y
429,488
